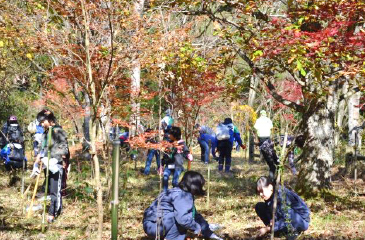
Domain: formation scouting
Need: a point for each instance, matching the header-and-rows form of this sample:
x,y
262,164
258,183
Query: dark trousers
x,y
55,184
176,231
225,155
264,213
269,154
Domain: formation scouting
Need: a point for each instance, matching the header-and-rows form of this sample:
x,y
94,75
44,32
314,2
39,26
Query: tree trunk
x,y
340,114
354,118
135,86
94,121
318,152
136,77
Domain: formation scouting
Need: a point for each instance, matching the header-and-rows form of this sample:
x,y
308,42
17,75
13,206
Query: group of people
x,y
173,212
12,151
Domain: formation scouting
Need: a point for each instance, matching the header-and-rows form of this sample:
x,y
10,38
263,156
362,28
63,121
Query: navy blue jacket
x,y
294,206
176,207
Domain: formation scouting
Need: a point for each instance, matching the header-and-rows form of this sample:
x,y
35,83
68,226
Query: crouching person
x,y
173,212
292,215
59,153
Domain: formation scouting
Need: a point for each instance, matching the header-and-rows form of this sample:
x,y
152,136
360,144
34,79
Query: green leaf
x,y
258,53
303,72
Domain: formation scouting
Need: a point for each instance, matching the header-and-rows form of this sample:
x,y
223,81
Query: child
x,y
174,158
59,156
173,212
293,210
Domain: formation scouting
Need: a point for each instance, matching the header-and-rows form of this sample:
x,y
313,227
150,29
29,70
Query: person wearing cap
x,y
59,153
225,144
263,126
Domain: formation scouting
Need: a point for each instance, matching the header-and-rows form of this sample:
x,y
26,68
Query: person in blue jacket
x,y
173,212
292,215
206,135
226,134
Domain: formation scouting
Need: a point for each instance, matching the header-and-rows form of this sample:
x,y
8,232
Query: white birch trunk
x,y
354,118
136,77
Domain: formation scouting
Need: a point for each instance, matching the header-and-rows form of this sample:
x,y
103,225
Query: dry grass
x,y
337,215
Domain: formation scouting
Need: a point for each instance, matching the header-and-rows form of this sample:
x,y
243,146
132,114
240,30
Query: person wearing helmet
x,y
12,132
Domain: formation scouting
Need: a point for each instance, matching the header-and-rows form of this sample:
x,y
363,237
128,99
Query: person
x,y
37,139
297,141
173,212
59,153
12,132
292,215
167,122
12,145
173,159
206,135
152,153
263,126
225,135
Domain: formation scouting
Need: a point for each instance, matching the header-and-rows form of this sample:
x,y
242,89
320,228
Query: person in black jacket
x,y
12,132
292,215
59,154
173,212
173,158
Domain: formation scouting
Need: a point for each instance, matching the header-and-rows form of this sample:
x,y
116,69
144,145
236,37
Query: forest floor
x,y
339,214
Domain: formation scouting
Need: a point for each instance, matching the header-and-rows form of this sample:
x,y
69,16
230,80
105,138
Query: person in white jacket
x,y
263,128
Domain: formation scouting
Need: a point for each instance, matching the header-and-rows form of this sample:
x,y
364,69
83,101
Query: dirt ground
x,y
339,214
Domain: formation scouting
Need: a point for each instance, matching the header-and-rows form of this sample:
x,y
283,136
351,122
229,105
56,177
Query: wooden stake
x,y
30,210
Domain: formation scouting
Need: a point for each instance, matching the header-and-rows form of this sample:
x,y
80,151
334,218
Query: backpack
x,y
16,152
14,133
222,132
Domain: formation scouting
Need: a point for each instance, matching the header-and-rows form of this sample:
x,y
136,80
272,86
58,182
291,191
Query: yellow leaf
x,y
29,55
1,44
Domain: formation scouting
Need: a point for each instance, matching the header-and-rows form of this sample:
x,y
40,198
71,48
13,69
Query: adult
x,y
173,212
206,135
59,154
225,135
263,126
152,152
167,121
